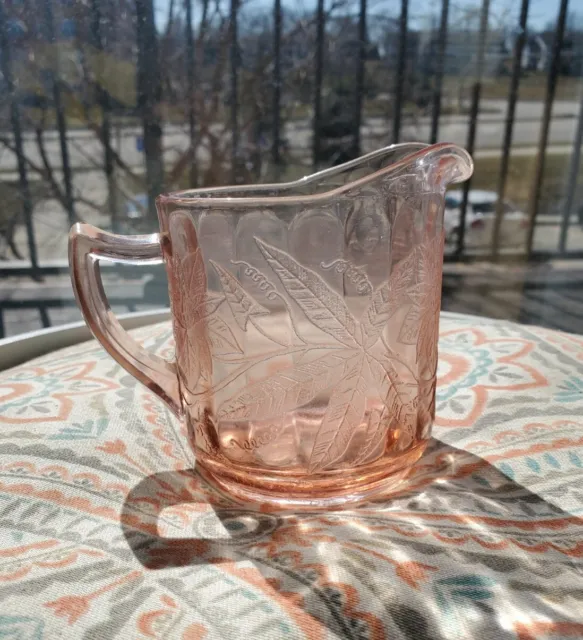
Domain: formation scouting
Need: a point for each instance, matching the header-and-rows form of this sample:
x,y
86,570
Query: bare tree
x,y
117,71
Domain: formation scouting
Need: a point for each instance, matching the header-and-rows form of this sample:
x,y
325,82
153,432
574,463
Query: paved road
x,y
51,222
490,131
86,151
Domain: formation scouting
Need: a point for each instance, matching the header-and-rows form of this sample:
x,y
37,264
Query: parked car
x,y
136,208
480,217
133,215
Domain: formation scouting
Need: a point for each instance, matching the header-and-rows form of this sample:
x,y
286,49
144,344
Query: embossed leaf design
x,y
387,298
194,358
207,439
393,391
189,276
420,324
241,303
428,333
212,303
342,372
378,425
287,389
407,422
187,357
429,325
193,287
344,413
197,326
220,336
322,306
409,331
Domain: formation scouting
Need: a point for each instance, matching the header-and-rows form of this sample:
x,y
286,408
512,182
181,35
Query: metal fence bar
x,y
516,257
59,303
234,81
15,269
60,113
474,113
359,80
105,108
572,181
509,125
318,77
190,79
439,71
276,107
149,98
44,315
546,122
400,71
27,207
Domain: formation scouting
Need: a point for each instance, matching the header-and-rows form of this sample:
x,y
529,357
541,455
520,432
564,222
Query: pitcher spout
x,y
444,164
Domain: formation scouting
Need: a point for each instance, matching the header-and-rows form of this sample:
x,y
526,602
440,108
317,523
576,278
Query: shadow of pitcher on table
x,y
437,559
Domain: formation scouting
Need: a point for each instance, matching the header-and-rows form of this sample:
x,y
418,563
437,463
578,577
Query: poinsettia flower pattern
x,y
374,384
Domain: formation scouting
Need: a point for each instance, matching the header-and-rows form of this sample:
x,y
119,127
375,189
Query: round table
x,y
106,533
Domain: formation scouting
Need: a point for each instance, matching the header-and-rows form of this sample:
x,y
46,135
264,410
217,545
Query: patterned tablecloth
x,y
106,533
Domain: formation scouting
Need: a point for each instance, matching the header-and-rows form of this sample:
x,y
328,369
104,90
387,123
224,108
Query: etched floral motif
x,y
375,433
356,275
388,297
351,362
199,329
288,389
419,326
242,305
254,443
345,411
322,306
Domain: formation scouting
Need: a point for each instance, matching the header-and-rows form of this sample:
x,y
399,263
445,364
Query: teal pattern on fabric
x,y
483,360
571,390
21,628
90,429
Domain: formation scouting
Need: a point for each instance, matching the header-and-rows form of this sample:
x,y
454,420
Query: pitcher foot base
x,y
295,494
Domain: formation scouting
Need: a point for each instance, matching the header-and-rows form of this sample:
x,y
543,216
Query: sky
x,y
541,12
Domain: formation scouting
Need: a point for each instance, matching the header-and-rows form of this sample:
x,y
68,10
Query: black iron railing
x,y
533,206
149,111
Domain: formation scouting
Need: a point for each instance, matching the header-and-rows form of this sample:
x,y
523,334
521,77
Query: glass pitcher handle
x,y
87,246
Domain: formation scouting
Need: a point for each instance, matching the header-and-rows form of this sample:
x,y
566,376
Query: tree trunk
x,y
149,100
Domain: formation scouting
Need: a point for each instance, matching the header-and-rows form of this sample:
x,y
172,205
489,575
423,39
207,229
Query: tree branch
x,y
40,170
116,157
48,170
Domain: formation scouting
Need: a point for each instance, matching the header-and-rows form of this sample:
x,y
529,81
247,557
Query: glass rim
x,y
216,197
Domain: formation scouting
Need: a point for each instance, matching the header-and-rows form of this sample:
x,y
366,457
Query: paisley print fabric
x,y
105,532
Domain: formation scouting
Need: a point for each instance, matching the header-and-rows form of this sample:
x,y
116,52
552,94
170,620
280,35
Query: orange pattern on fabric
x,y
538,630
114,503
480,390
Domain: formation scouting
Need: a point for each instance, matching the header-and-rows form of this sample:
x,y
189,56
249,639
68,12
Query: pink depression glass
x,y
306,322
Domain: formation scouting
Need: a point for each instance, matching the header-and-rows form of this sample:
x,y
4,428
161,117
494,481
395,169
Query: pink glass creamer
x,y
305,317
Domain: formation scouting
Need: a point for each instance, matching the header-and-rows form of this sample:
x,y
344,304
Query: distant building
x,y
462,49
537,52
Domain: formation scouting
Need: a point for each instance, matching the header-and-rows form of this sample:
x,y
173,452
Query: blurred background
x,y
106,103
